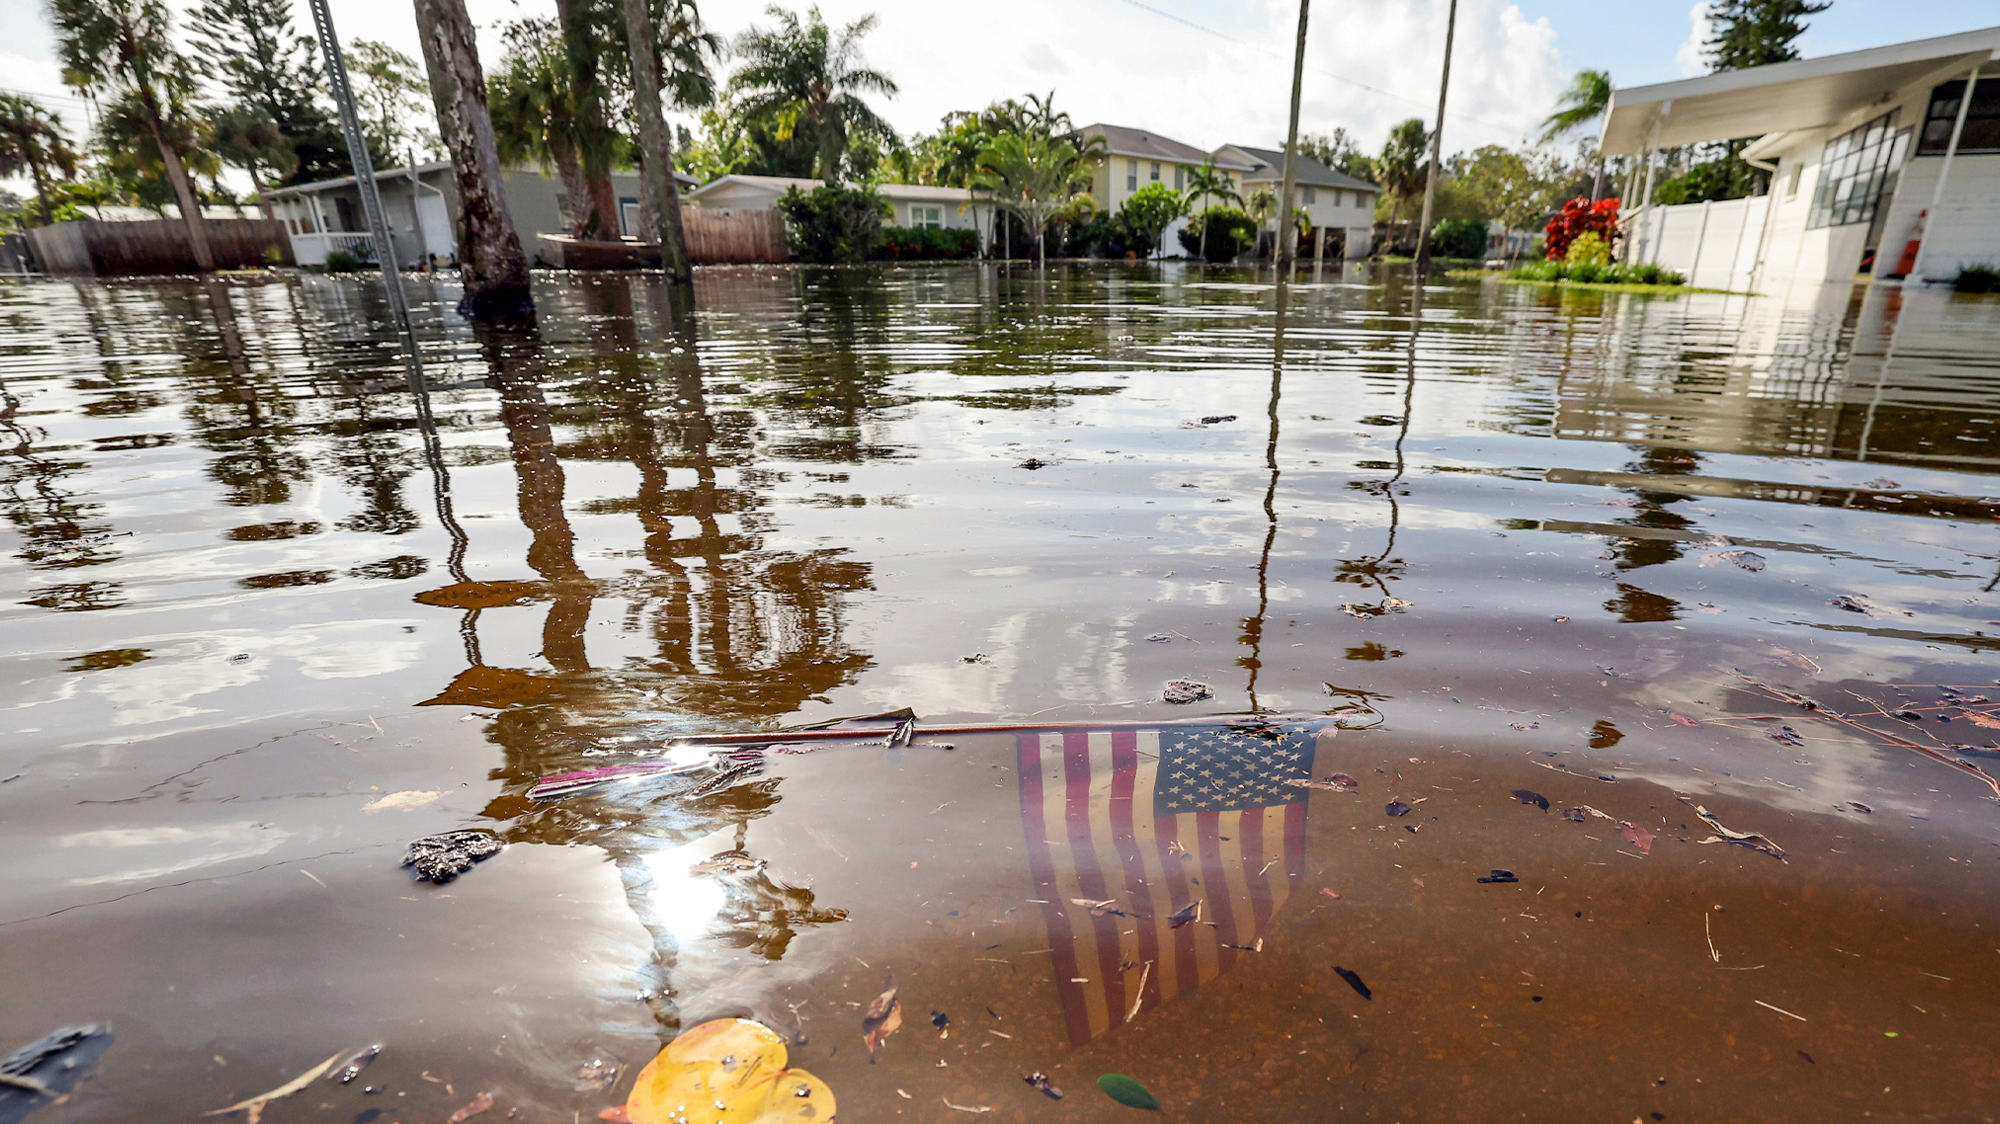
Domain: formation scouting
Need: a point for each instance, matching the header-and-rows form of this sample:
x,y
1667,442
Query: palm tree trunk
x,y
494,270
41,185
656,145
257,183
598,217
576,189
177,178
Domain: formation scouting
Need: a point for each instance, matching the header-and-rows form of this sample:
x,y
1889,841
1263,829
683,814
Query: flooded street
x,y
1548,570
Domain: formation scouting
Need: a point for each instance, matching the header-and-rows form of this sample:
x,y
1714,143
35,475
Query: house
x,y
1882,168
1135,158
421,207
1340,207
916,204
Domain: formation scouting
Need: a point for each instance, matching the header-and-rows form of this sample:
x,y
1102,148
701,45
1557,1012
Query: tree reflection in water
x,y
736,633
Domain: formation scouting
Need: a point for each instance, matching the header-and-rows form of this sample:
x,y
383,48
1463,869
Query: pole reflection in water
x,y
739,632
1253,629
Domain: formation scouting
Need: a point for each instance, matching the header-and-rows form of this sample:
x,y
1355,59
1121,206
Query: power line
x,y
45,97
1328,73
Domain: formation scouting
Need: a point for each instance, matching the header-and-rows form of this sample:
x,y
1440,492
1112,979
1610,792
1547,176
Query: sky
x,y
1206,72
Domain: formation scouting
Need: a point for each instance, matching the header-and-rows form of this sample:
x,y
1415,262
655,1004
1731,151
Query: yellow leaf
x,y
727,1071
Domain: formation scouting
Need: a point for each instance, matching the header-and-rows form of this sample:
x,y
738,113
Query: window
x,y
1180,176
1131,175
1792,185
1856,170
1982,119
1309,195
926,217
1337,196
628,217
1156,171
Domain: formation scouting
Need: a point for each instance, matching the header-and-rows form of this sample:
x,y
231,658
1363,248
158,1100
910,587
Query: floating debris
x,y
441,858
1039,1081
351,1066
1756,841
1354,981
1500,874
255,1105
1181,691
1533,799
882,1018
1396,808
1127,1092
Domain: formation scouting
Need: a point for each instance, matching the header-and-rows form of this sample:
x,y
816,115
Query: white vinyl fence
x,y
1715,245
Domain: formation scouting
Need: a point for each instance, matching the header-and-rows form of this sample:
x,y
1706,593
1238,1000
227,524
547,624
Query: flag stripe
x,y
1038,787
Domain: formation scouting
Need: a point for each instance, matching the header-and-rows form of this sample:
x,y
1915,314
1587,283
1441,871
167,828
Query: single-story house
x,y
1340,207
916,204
1135,158
421,206
1881,166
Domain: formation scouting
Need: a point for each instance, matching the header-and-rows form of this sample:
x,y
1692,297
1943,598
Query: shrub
x,y
1097,235
1459,238
1148,212
1603,273
340,261
833,224
1587,248
1230,232
1977,279
1578,216
906,243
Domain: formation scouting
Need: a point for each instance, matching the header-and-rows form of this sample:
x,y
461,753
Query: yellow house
x,y
1135,158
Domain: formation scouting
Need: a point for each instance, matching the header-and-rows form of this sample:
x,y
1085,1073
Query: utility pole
x,y
371,203
1288,235
1437,144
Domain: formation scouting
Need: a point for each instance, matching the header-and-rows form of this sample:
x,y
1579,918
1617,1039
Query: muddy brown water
x,y
1586,546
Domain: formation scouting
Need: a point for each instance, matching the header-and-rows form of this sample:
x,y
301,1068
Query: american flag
x,y
1152,820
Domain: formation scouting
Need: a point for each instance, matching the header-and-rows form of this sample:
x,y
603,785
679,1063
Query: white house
x,y
916,205
1882,167
421,207
1340,207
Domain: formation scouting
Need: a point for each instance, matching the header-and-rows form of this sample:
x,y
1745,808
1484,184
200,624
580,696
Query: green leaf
x,y
1127,1092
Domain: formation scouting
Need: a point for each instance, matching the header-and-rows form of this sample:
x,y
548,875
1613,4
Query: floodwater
x,y
260,634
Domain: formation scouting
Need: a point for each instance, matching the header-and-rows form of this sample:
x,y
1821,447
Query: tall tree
x,y
390,93
1588,96
656,146
809,81
494,269
251,49
124,47
1401,169
586,28
533,117
1747,33
1338,150
244,137
32,140
1039,178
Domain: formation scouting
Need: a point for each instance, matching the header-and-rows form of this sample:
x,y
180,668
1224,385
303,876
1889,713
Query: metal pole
x,y
417,210
1288,235
371,204
1944,172
1437,143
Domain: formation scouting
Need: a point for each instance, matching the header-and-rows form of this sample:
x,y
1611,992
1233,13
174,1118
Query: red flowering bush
x,y
1577,216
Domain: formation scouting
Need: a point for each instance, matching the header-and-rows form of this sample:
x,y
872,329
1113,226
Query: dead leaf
x,y
401,801
1684,720
882,1018
1981,718
1637,836
255,1105
1803,663
1756,841
1532,799
1344,781
472,1108
1308,782
1040,1082
1183,915
1106,908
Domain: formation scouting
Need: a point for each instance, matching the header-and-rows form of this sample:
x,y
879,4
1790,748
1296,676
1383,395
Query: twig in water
x,y
1780,1010
1709,933
1139,994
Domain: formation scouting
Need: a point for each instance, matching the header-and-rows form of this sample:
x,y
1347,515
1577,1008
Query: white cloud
x,y
1692,57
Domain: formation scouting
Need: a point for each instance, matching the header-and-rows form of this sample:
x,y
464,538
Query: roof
x,y
922,191
1271,164
1122,141
778,184
1804,94
349,181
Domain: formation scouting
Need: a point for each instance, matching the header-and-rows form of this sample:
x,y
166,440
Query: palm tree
x,y
809,81
1040,178
32,140
1210,182
1402,170
123,47
245,138
1588,96
656,144
534,119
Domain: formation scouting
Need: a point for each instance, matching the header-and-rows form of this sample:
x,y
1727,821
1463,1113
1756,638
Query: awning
x,y
1805,94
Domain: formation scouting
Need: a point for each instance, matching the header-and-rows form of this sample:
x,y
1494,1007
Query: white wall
x,y
1966,228
1714,245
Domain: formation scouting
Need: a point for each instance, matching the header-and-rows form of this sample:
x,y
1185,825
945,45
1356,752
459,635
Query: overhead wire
x,y
1183,21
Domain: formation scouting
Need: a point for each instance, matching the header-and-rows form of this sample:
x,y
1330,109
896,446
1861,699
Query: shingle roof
x,y
1122,141
1271,163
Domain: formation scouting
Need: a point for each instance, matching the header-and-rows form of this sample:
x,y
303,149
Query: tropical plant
x,y
1598,272
1148,212
903,243
534,120
1219,234
1586,99
32,140
393,98
1402,167
806,80
124,48
1983,278
251,49
1210,182
1577,217
1042,179
243,137
1588,248
1338,150
832,224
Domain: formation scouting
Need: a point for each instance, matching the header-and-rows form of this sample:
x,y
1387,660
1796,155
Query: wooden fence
x,y
156,247
716,237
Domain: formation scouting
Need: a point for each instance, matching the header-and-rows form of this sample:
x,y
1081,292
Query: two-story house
x,y
1135,158
1340,207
